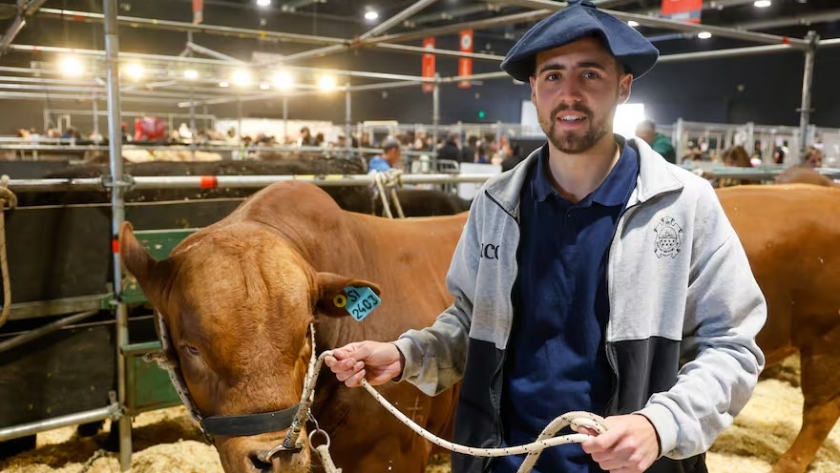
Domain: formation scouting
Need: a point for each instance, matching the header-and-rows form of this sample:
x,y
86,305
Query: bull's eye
x,y
192,350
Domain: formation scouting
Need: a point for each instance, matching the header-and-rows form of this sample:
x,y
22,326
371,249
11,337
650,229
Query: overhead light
x,y
632,23
282,80
264,86
263,3
704,35
223,84
371,15
134,71
191,74
241,77
326,83
71,66
762,3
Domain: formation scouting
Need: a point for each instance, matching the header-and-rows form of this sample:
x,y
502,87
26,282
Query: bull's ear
x,y
138,261
333,298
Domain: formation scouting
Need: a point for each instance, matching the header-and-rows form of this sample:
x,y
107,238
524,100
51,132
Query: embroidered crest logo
x,y
667,238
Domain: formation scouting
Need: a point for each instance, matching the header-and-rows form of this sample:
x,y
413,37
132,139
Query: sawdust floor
x,y
167,441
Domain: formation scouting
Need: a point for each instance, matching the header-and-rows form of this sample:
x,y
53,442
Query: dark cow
x,y
791,235
238,297
802,174
424,203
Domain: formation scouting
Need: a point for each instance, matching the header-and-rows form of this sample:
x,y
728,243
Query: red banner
x,y
682,10
428,64
465,64
198,11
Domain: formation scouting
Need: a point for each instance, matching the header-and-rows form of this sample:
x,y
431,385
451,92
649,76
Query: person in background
x,y
813,157
468,152
737,157
450,149
390,157
306,138
660,143
780,152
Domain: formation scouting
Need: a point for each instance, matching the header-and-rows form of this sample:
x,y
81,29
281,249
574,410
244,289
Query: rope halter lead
x,y
390,179
294,417
7,197
291,418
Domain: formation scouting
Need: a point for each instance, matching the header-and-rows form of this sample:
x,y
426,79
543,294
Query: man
x,y
660,143
614,284
450,149
390,157
779,153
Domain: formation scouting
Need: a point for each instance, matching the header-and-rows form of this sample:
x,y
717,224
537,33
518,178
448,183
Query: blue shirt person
x,y
390,157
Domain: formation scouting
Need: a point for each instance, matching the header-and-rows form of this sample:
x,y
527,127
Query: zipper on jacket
x,y
496,395
612,358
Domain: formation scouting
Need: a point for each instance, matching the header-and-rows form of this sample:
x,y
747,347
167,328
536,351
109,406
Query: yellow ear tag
x,y
340,300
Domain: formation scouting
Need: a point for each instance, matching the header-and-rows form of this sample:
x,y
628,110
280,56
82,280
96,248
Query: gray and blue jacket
x,y
685,309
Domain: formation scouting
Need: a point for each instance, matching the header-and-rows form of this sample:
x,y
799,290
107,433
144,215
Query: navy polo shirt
x,y
556,359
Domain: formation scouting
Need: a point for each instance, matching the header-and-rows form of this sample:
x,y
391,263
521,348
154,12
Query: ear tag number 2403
x,y
361,301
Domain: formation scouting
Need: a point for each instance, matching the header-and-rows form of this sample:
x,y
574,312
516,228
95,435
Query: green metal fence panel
x,y
159,244
149,386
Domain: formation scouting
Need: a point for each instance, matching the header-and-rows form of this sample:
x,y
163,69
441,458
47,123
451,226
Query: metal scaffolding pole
x,y
396,19
239,120
135,22
116,183
311,91
33,428
95,115
438,52
807,81
136,56
722,53
24,9
285,117
663,23
526,17
39,332
348,114
192,126
435,118
212,53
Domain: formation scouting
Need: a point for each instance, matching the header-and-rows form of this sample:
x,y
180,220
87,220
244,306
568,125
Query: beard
x,y
574,141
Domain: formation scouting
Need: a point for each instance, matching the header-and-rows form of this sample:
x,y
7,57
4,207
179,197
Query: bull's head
x,y
237,303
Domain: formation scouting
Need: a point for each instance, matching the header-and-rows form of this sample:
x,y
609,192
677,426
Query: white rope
x,y
390,179
323,454
575,419
7,197
386,207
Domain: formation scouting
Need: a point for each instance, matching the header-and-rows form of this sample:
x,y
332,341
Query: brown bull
x,y
791,234
238,298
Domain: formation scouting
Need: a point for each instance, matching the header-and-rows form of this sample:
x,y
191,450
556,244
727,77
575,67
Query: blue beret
x,y
581,19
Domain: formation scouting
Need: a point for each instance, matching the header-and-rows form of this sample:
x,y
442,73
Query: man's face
x,y
576,89
393,156
815,160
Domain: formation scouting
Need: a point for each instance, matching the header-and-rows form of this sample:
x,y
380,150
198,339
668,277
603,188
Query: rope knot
x,y
7,197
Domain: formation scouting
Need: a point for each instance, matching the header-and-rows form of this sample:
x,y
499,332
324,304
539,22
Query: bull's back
x,y
790,234
409,259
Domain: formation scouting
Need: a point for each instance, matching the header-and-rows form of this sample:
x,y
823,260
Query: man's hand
x,y
377,362
628,446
